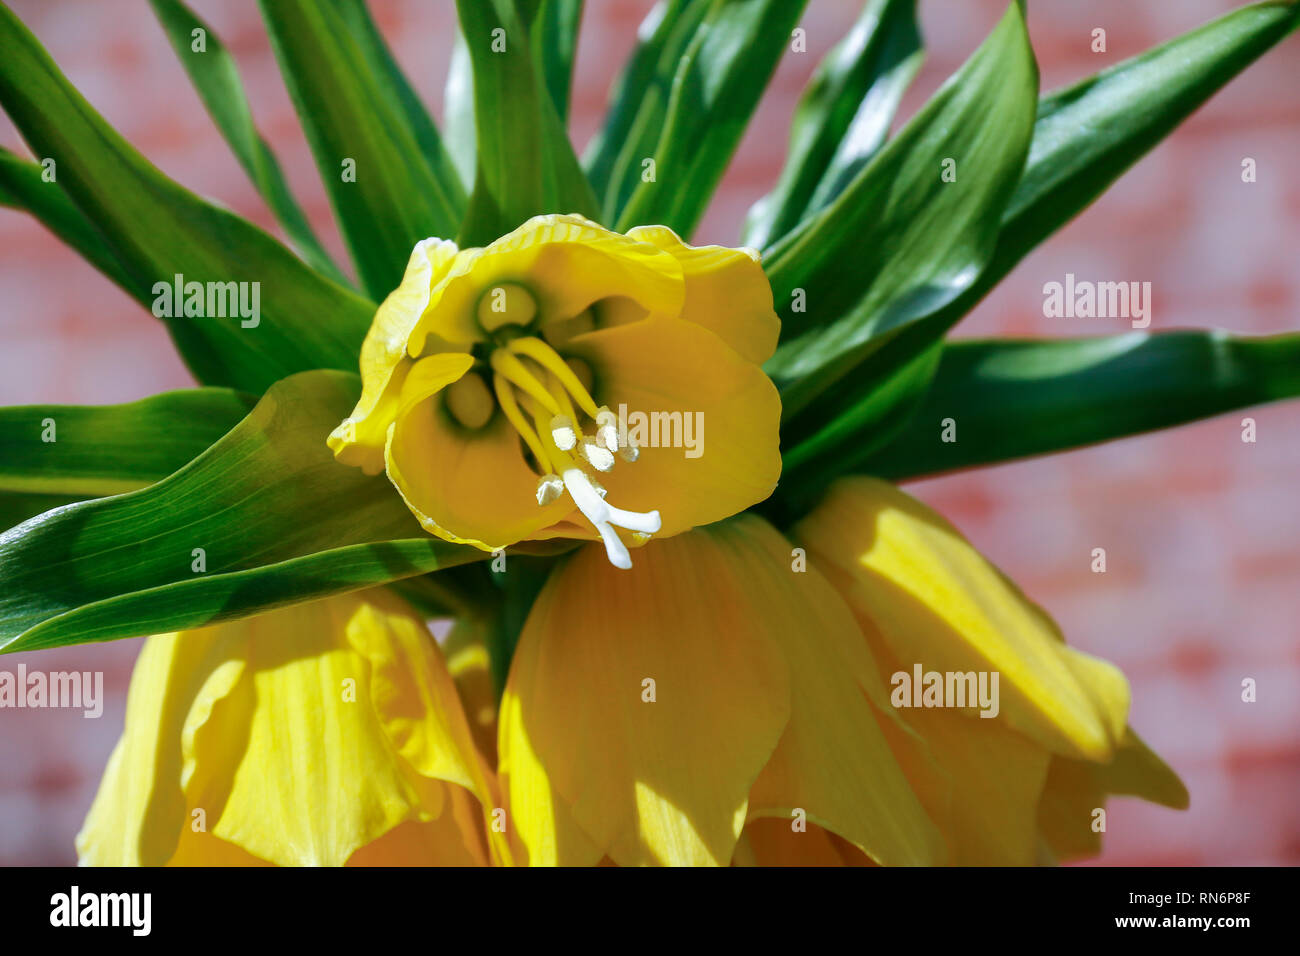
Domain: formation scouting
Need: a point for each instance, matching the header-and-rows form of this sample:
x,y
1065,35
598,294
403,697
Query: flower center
x,y
546,402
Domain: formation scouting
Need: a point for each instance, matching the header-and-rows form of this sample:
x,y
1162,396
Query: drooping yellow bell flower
x,y
752,717
321,734
723,688
1024,785
498,384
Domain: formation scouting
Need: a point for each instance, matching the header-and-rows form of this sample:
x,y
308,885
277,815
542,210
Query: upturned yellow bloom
x,y
752,719
322,734
497,382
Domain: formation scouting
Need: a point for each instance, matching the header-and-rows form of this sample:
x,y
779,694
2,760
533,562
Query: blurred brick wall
x,y
1200,529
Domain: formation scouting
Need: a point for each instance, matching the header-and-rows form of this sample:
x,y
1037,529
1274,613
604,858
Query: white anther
x,y
629,452
607,428
563,433
549,488
602,459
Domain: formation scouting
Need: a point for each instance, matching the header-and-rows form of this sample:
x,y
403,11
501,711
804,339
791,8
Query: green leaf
x,y
1084,138
912,231
216,79
842,118
1011,399
22,187
553,26
1088,135
365,132
718,83
91,450
16,507
458,113
526,166
157,230
389,75
639,102
278,520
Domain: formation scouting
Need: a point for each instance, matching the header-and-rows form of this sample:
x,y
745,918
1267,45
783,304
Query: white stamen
x,y
604,516
629,452
563,433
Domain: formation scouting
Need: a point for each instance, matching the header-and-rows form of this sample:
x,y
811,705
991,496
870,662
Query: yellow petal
x,y
567,263
470,487
676,375
910,577
727,292
833,761
471,669
662,781
301,735
140,810
359,440
1076,789
773,842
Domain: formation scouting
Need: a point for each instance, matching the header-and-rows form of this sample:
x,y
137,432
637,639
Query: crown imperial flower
x,y
490,374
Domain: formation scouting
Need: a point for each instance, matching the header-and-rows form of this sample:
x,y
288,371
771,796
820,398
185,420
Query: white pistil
x,y
605,517
563,433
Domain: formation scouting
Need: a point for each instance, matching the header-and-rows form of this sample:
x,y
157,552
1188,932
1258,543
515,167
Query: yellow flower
x,y
497,382
740,706
1022,786
321,734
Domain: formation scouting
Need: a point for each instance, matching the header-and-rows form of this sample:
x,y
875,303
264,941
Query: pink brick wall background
x,y
1200,529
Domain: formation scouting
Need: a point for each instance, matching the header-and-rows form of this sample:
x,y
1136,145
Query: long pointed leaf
x,y
715,91
273,517
554,25
526,165
389,75
639,101
157,230
1011,399
23,188
1084,138
914,229
1088,135
842,118
386,195
216,79
91,450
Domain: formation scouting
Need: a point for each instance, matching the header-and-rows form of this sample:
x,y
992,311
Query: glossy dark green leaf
x,y
717,86
842,118
93,450
216,79
157,230
366,135
913,230
639,102
1011,399
23,187
525,165
277,519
